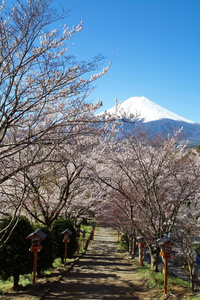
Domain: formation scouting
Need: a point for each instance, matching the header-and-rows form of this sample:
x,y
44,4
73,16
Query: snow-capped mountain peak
x,y
152,118
145,110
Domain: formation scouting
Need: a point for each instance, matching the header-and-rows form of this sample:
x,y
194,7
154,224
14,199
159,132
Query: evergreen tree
x,y
15,257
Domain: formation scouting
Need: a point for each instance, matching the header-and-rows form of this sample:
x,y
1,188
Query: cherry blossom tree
x,y
52,188
149,180
43,92
186,233
61,186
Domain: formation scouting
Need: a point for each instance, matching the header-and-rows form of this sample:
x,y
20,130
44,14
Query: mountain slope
x,y
146,110
155,119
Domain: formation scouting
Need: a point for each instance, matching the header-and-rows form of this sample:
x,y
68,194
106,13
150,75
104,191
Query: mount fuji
x,y
154,118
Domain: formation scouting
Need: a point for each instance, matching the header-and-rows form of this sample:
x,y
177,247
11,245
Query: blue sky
x,y
154,46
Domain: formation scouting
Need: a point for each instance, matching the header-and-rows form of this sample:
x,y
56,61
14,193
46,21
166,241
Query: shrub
x,y
15,258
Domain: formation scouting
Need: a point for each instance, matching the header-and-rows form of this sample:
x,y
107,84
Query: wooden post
x,y
36,238
141,246
165,274
166,252
34,269
66,242
141,256
77,241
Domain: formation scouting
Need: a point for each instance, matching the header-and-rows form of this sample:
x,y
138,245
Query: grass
x,y
25,280
5,286
155,280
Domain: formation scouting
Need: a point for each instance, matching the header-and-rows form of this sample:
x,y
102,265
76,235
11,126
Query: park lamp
x,y
78,233
166,245
36,237
93,230
141,241
131,236
84,233
66,235
141,244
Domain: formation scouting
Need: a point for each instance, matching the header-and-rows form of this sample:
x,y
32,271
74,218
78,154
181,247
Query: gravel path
x,y
102,273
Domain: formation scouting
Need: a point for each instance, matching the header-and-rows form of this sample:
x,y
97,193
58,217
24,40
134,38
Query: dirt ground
x,y
102,273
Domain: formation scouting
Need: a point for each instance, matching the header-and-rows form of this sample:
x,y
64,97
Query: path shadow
x,y
85,290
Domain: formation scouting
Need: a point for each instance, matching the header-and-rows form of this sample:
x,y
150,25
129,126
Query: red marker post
x,y
166,252
141,244
66,234
36,237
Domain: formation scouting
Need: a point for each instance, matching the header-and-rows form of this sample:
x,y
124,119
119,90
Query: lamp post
x,y
141,245
66,234
166,252
36,237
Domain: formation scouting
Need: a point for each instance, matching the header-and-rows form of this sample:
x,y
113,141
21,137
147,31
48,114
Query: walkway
x,y
102,273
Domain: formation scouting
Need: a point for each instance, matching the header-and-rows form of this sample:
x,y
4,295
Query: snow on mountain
x,y
145,110
154,118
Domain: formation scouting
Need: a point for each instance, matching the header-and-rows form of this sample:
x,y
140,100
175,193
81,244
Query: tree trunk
x,y
154,254
135,246
16,281
132,247
191,270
